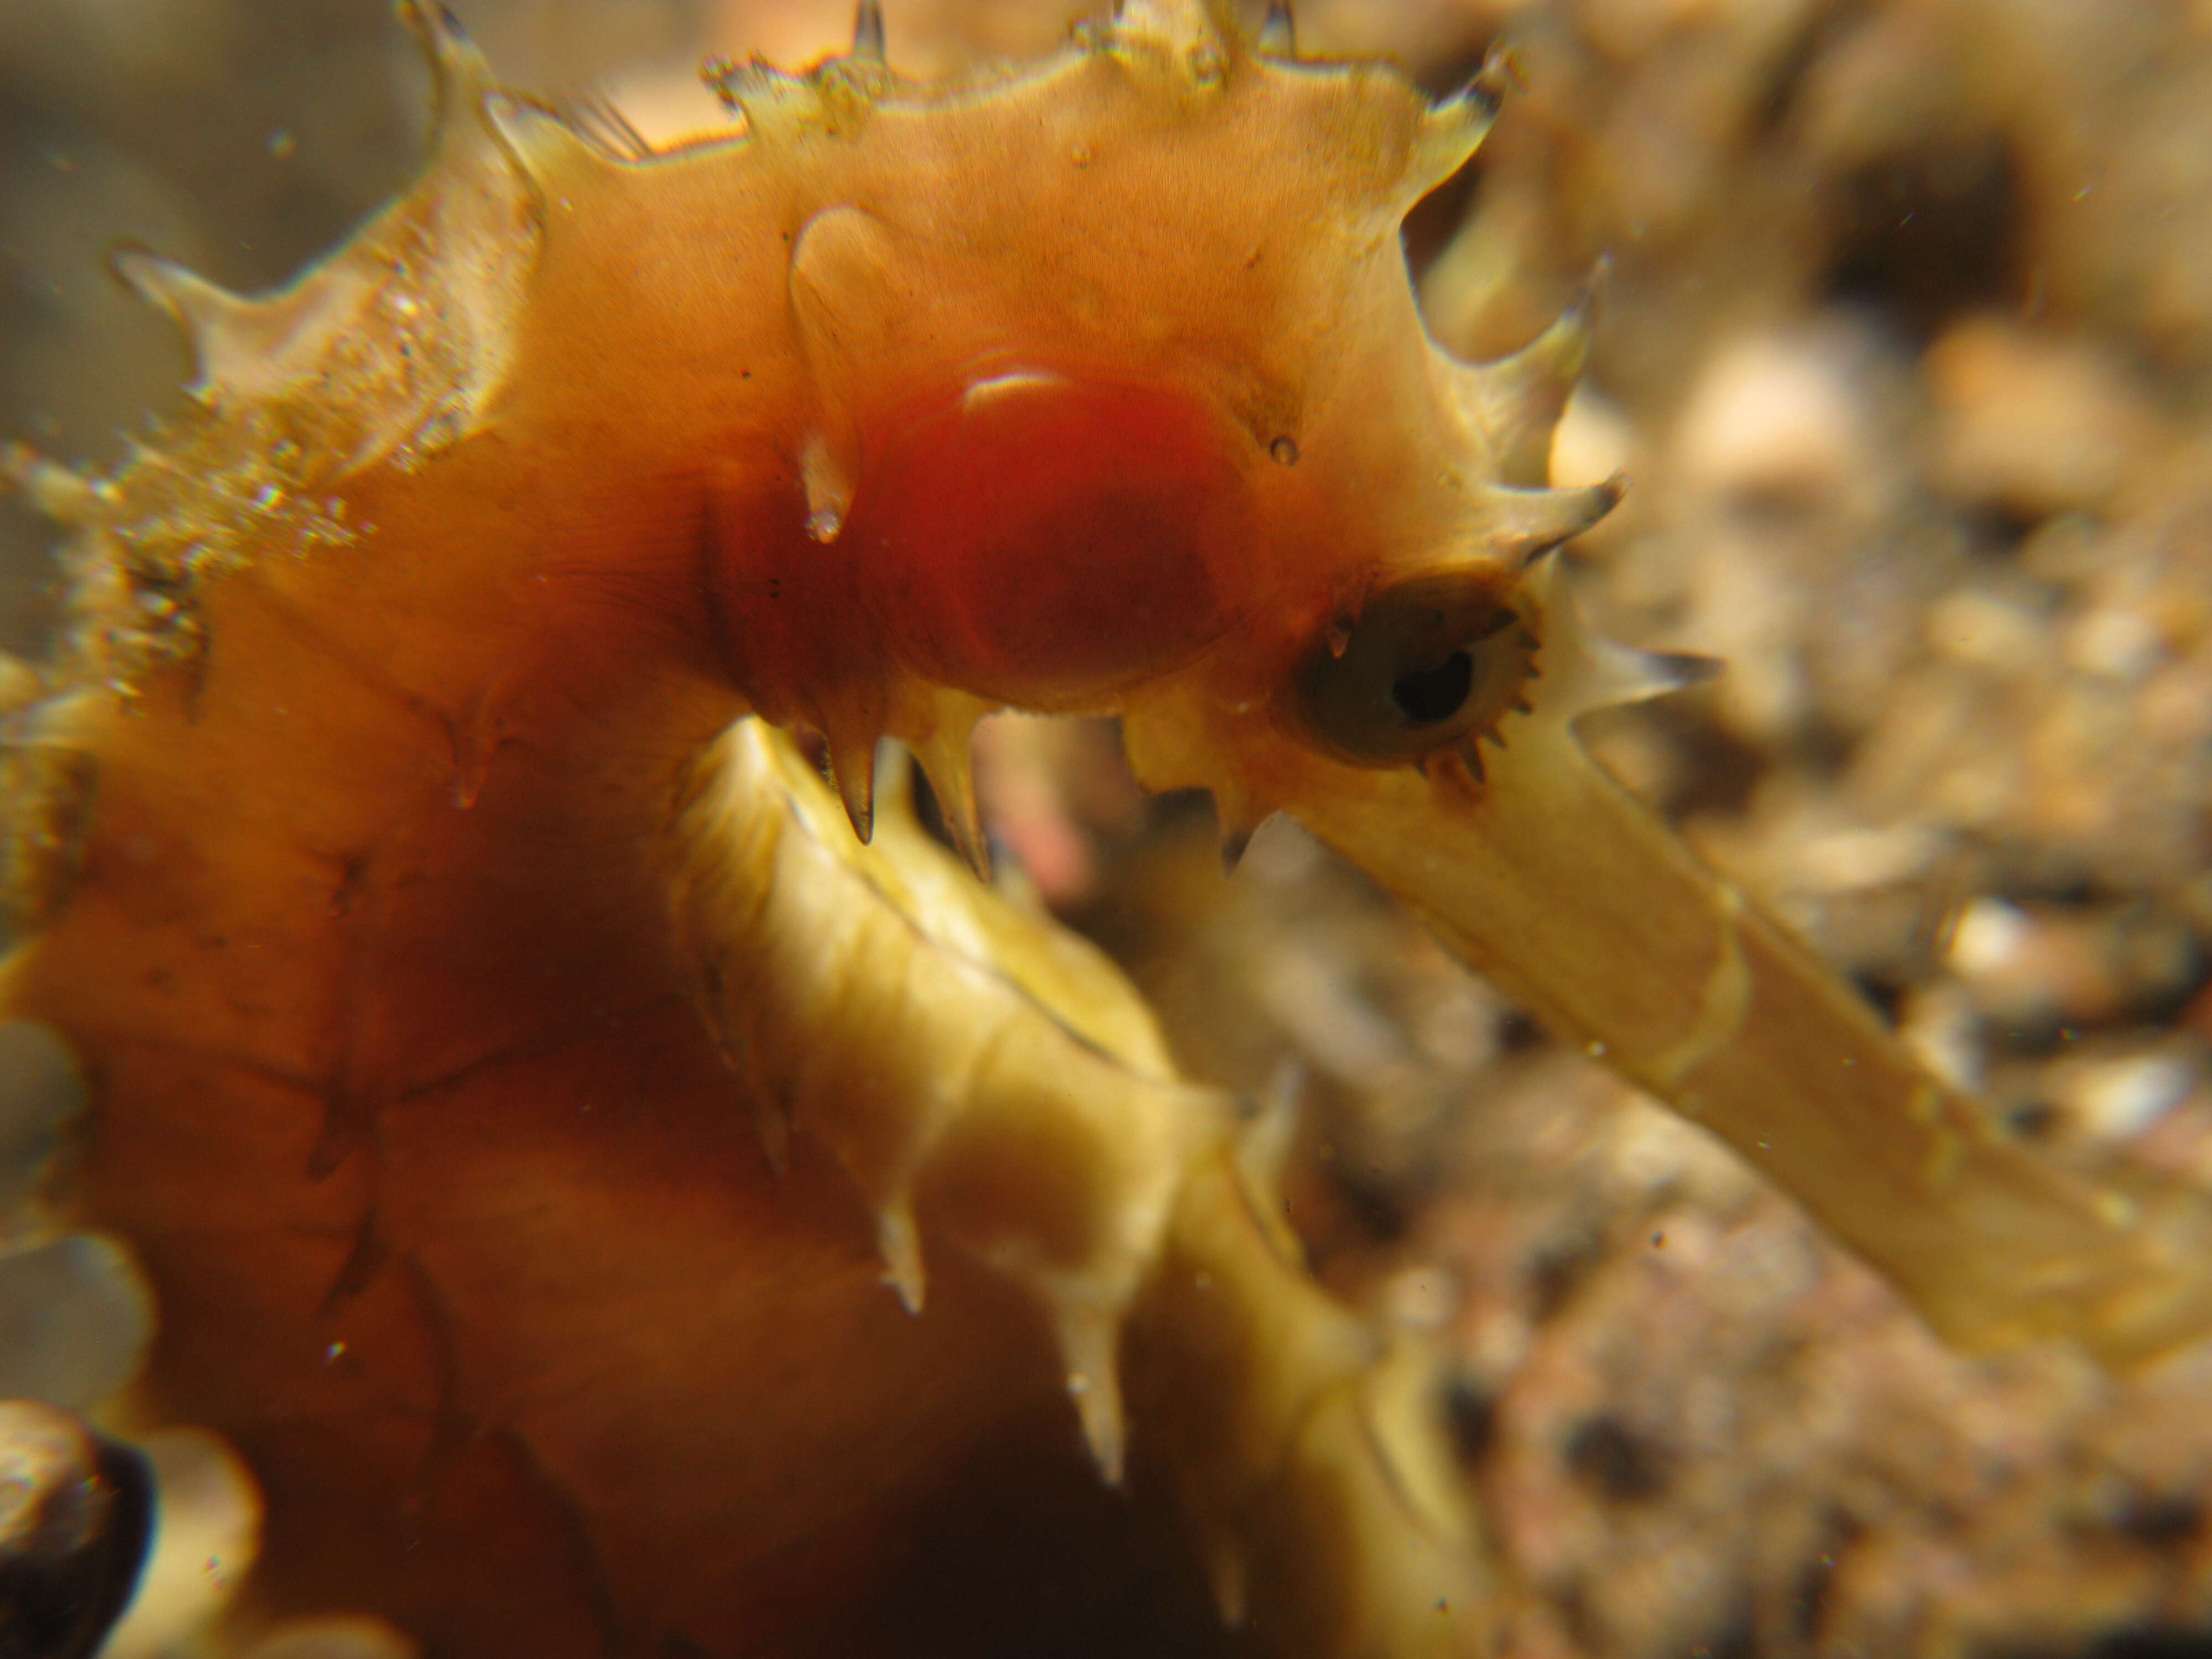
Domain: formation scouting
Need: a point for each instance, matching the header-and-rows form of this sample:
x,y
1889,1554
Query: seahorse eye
x,y
1428,664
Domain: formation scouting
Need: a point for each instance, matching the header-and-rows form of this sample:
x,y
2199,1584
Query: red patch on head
x,y
1038,537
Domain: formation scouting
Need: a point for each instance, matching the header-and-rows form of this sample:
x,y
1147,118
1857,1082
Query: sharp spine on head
x,y
213,319
1454,129
1278,35
853,766
946,758
1238,824
1532,522
537,138
436,27
1090,1344
898,1241
1517,400
457,68
868,31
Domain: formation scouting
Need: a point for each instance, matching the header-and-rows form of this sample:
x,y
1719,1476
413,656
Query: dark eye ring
x,y
1430,665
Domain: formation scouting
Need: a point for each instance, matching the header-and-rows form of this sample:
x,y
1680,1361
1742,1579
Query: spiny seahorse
x,y
620,1193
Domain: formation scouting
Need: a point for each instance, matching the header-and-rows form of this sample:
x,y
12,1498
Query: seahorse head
x,y
1120,401
1095,386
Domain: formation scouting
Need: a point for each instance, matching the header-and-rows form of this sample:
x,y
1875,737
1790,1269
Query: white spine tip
x,y
1532,522
898,1241
829,491
1090,1346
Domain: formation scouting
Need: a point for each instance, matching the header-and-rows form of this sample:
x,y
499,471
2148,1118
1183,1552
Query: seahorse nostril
x,y
1430,695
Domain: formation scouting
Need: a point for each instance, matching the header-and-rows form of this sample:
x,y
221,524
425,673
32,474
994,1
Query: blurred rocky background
x,y
1908,350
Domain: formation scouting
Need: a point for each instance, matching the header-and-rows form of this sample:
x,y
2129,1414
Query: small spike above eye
x,y
1278,35
1531,523
898,1242
1452,131
868,31
1517,401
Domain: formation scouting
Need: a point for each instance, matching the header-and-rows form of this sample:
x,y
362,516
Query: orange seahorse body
x,y
442,956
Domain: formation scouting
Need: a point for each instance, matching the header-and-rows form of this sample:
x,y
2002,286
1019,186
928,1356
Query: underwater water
x,y
1904,349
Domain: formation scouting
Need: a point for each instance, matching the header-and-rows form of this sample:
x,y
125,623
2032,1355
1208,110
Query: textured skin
x,y
517,1102
614,1210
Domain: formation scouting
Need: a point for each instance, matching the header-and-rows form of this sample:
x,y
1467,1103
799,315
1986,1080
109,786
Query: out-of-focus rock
x,y
74,1514
75,1321
1778,417
208,1536
2035,425
39,1092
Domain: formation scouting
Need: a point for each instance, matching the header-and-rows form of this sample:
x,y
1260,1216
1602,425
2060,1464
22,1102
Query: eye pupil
x,y
1428,665
1430,695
